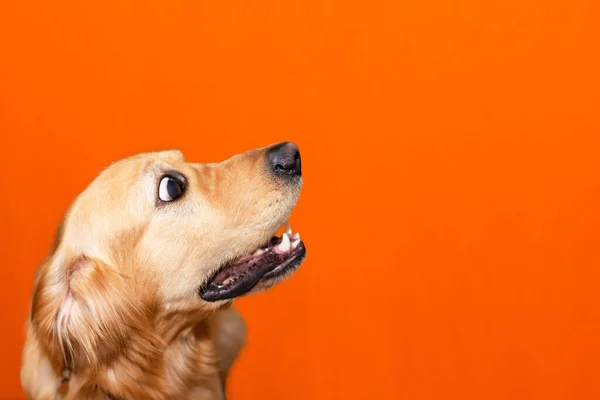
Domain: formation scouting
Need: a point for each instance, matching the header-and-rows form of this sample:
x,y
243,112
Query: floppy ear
x,y
84,310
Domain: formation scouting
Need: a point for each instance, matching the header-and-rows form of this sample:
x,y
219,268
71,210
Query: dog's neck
x,y
112,340
180,351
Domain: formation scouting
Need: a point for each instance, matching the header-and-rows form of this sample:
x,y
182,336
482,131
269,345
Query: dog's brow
x,y
158,166
171,154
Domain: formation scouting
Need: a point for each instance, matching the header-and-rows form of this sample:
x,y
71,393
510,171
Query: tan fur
x,y
117,302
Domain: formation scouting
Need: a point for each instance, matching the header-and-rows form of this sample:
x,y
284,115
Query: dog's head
x,y
155,231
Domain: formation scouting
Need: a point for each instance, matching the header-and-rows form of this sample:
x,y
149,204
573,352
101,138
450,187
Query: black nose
x,y
284,159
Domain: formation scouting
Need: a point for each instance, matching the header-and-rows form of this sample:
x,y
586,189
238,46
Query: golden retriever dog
x,y
133,300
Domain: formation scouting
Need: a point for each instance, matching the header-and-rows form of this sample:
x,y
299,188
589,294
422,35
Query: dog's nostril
x,y
284,159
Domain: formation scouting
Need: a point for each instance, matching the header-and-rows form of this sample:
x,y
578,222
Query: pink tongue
x,y
248,267
277,247
233,270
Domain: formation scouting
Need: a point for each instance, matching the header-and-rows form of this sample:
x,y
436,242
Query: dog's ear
x,y
84,310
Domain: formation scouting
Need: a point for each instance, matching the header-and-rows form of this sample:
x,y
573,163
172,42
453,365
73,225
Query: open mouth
x,y
277,258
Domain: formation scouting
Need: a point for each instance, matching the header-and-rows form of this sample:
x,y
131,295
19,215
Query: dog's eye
x,y
170,188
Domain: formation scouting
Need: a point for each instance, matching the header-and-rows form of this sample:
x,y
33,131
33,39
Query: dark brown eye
x,y
170,189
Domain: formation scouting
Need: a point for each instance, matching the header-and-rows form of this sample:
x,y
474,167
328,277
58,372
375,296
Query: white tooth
x,y
258,252
295,243
284,246
288,228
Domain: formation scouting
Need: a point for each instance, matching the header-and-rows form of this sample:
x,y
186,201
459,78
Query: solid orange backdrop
x,y
451,156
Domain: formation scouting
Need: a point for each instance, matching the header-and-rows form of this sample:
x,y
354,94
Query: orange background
x,y
451,154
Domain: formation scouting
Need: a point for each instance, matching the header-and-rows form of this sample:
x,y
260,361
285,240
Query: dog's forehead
x,y
144,163
173,154
163,160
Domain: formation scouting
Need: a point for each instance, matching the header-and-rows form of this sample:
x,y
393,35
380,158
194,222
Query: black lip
x,y
211,292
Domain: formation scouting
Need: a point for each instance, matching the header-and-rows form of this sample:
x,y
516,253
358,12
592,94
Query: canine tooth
x,y
295,243
284,246
288,229
258,252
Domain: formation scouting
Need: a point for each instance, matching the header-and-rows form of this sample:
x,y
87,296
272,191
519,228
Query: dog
x,y
133,300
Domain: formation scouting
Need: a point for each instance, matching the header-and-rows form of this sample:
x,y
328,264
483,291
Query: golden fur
x,y
115,311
